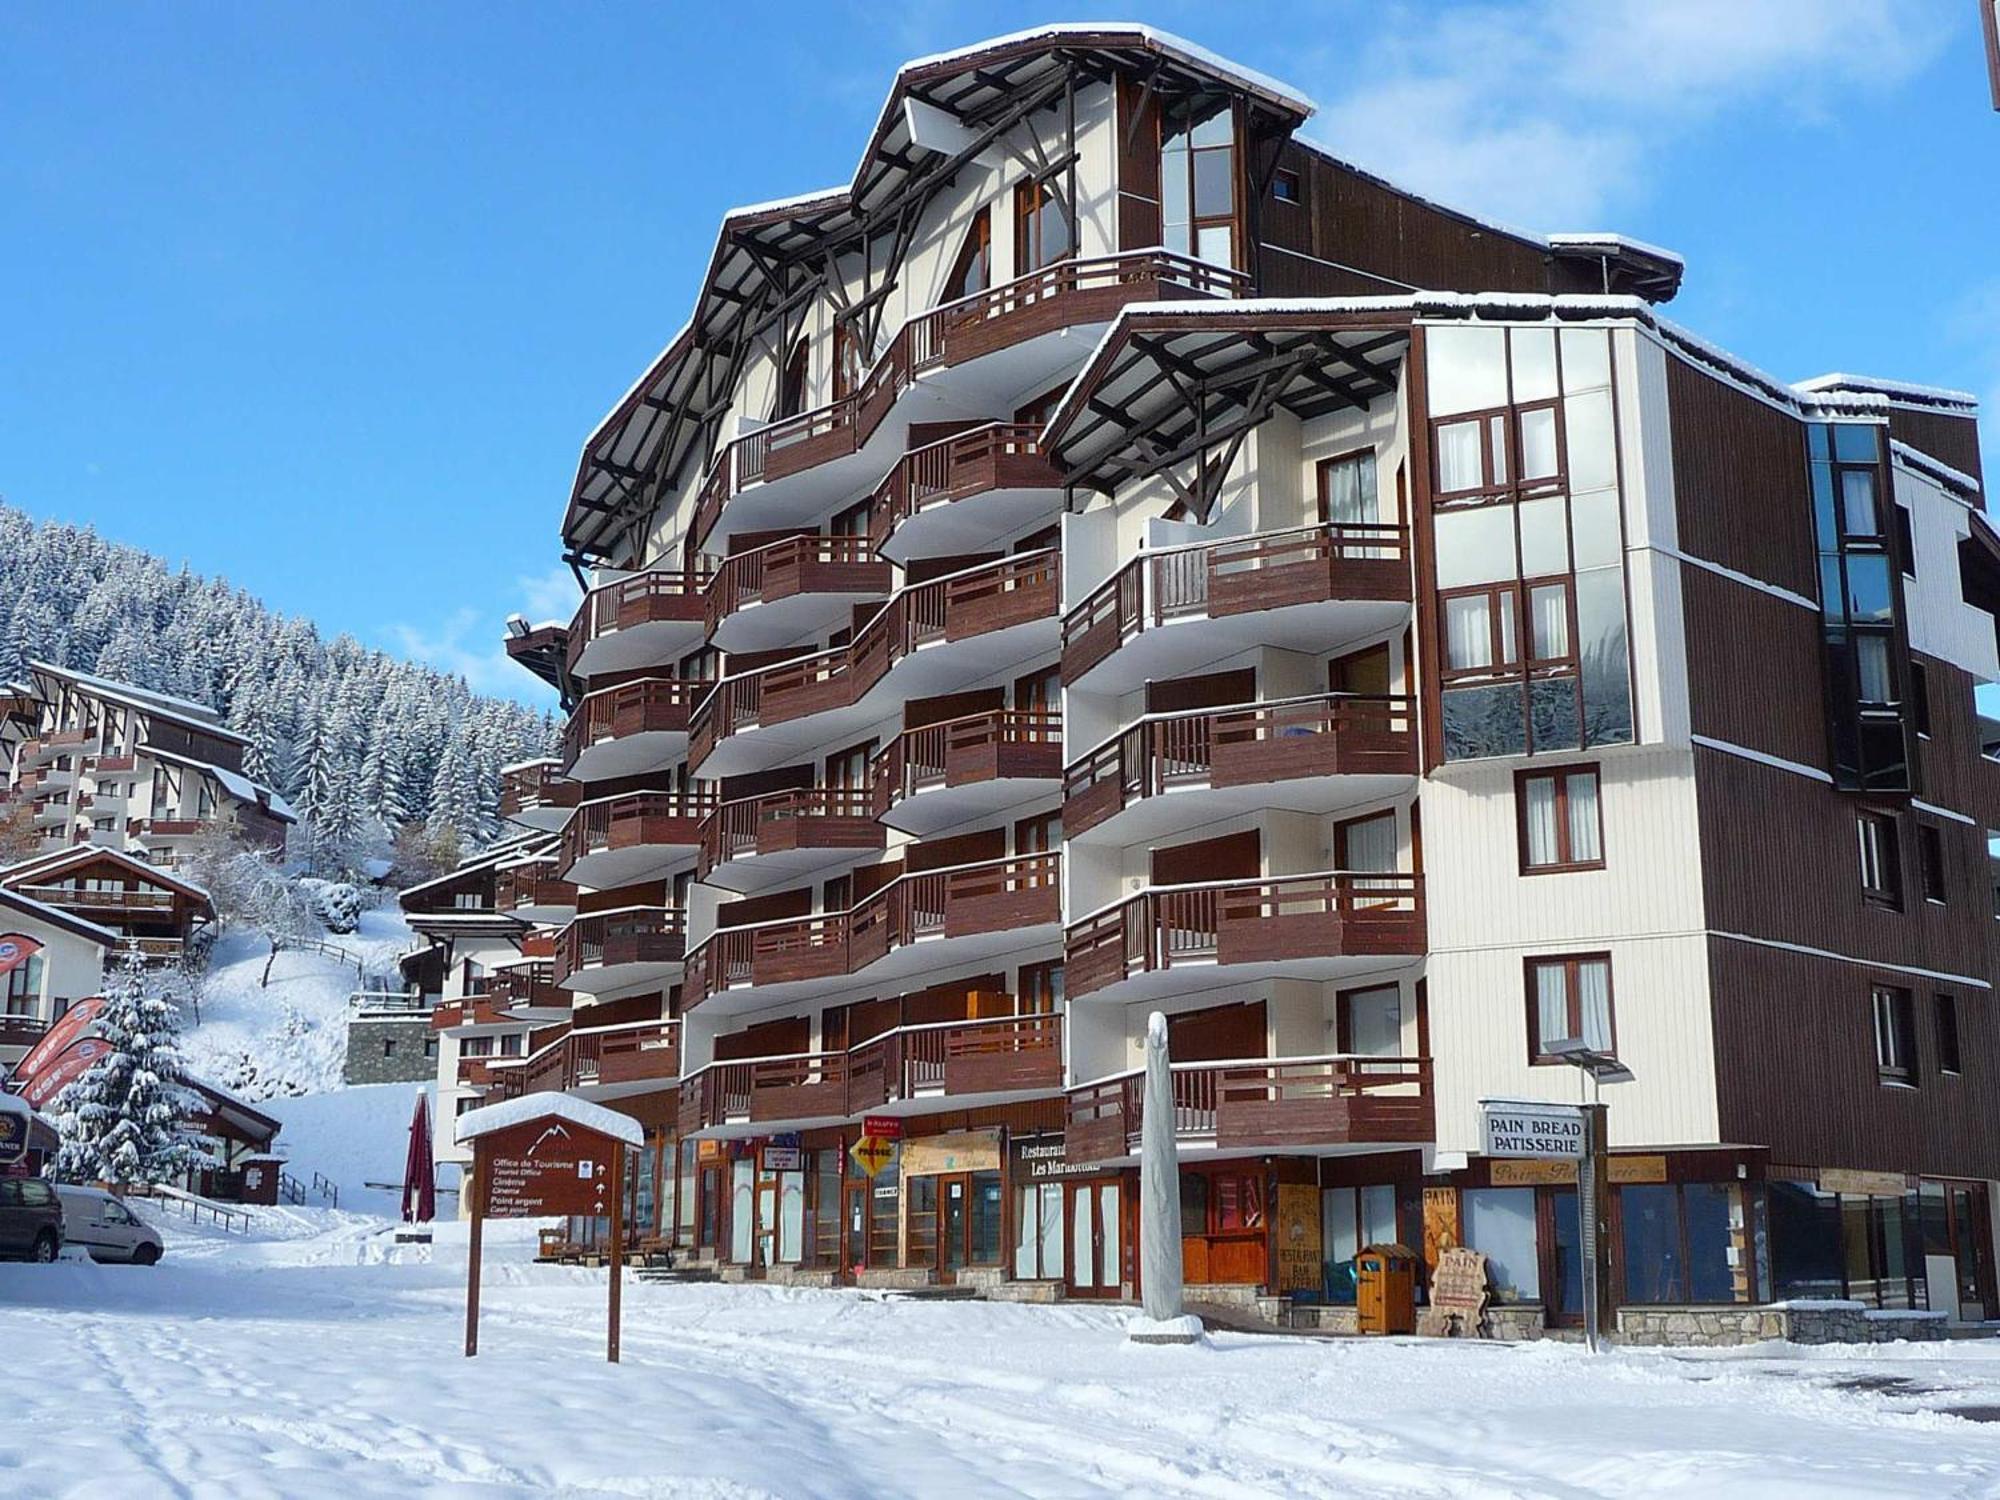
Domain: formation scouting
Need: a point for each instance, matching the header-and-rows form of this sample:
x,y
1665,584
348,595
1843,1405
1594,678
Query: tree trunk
x,y
270,959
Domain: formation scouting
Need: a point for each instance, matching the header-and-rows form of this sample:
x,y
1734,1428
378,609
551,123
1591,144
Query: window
x,y
1945,1007
1920,699
1930,861
973,270
1480,630
24,986
1285,186
1041,987
850,367
1198,179
1561,822
1881,870
388,1046
1895,1035
792,382
1569,999
1347,490
1038,834
1906,543
1041,228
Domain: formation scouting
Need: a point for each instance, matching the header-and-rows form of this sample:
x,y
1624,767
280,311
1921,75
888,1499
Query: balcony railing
x,y
520,887
1261,1104
70,898
1002,456
997,745
636,820
1325,734
525,986
613,939
656,597
1044,301
55,744
1266,920
997,895
778,822
1272,570
537,786
111,765
171,828
652,705
792,566
21,1031
960,606
1007,1054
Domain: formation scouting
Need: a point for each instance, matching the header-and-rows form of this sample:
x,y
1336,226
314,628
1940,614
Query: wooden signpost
x,y
539,1167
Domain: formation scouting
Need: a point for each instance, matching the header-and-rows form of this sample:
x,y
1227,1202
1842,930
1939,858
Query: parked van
x,y
31,1219
105,1225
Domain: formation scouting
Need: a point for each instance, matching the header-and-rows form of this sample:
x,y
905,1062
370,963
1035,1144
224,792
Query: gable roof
x,y
43,867
104,937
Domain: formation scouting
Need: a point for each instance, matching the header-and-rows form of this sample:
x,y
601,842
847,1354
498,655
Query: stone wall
x,y
407,1060
1796,1322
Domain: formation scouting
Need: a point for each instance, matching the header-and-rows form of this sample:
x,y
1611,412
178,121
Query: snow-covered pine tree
x,y
122,1121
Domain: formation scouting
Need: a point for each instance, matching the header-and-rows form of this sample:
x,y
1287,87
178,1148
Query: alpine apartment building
x,y
99,763
1113,556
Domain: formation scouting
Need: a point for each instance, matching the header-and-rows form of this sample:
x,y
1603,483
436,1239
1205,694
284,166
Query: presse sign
x,y
1545,1131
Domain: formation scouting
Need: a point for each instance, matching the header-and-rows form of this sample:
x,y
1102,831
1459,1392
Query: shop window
x,y
1500,1224
1569,998
1895,1035
1946,1008
1677,1240
1881,864
1561,822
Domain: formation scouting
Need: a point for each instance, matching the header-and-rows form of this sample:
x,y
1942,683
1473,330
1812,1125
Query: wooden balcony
x,y
1248,745
111,765
43,746
534,892
1301,925
488,1009
629,729
647,619
21,1031
626,1059
537,795
1001,896
172,828
616,949
627,839
790,831
798,570
1242,576
953,1059
1002,466
960,607
983,755
1261,1104
519,988
1064,295
70,898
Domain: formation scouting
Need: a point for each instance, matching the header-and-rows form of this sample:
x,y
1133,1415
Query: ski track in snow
x,y
317,1358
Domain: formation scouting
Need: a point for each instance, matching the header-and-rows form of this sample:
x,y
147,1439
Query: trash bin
x,y
1386,1289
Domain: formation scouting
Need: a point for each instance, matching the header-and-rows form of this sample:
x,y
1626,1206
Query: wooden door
x,y
1095,1224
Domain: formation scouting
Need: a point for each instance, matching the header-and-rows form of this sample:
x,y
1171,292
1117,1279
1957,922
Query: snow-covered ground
x,y
319,1358
289,1037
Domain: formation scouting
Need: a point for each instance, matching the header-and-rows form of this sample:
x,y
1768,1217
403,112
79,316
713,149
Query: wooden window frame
x,y
1325,467
1495,484
1279,179
1196,222
1029,198
1933,882
1899,1033
978,243
1887,860
1048,997
1919,694
1571,964
1561,775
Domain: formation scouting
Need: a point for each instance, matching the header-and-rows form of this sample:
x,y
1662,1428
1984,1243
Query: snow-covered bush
x,y
121,1122
336,903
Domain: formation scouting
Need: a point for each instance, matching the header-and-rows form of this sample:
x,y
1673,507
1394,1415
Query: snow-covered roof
x,y
581,1112
42,866
235,783
1895,390
1604,239
530,764
69,921
199,715
1942,473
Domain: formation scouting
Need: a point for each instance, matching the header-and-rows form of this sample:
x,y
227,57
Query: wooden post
x,y
617,1241
472,1250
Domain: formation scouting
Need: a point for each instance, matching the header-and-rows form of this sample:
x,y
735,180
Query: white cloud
x,y
548,596
469,645
1545,114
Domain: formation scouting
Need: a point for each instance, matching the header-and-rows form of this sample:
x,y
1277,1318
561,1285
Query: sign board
x,y
784,1159
72,1024
1299,1267
14,1127
545,1167
1618,1170
1045,1157
963,1151
1541,1131
882,1127
1862,1184
16,948
1440,1222
872,1155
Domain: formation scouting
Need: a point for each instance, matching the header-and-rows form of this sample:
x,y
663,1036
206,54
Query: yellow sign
x,y
965,1151
1530,1173
872,1155
1638,1168
1298,1237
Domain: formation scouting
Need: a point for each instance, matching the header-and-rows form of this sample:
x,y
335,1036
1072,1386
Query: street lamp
x,y
1592,1182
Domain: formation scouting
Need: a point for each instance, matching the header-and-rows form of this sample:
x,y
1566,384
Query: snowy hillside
x,y
291,1037
354,1137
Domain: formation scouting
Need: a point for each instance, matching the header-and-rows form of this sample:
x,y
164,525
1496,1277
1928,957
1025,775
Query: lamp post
x,y
1592,1178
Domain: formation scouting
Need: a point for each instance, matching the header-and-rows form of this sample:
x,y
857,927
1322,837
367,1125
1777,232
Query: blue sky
x,y
325,298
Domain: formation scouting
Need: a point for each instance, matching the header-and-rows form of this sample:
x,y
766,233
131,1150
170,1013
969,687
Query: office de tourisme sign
x,y
1516,1127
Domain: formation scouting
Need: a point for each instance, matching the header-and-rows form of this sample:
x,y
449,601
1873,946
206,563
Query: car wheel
x,y
45,1247
146,1255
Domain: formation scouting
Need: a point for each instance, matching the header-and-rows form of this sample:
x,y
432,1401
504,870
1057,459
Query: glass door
x,y
1972,1250
742,1209
1094,1264
953,1217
